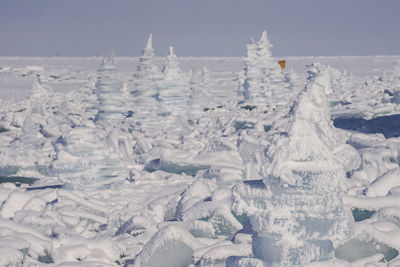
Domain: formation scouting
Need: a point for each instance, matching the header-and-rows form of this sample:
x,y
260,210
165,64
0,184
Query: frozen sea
x,y
126,162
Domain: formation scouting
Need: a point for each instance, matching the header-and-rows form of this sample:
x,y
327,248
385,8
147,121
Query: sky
x,y
215,28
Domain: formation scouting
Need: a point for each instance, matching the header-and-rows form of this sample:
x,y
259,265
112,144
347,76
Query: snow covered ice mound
x,y
301,216
164,161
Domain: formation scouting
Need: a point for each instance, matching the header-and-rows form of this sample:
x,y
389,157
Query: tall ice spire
x,y
264,36
148,51
149,44
264,45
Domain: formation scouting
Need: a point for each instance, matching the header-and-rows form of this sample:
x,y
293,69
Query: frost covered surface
x,y
169,161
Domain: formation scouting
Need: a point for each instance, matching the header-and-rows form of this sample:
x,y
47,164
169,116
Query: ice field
x,y
177,161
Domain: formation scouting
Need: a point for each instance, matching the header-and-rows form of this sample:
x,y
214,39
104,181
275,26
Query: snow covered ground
x,y
170,161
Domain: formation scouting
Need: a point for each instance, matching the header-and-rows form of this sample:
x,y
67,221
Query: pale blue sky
x,y
198,27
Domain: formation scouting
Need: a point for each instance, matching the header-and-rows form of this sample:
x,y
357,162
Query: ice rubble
x,y
173,89
135,186
379,93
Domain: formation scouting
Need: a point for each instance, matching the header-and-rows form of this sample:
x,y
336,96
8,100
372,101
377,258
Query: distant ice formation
x,y
199,83
147,72
171,69
396,70
113,106
264,83
145,92
34,147
342,88
87,157
173,88
159,93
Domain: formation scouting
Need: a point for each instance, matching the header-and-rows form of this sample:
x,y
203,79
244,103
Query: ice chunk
x,y
78,249
11,257
170,167
243,125
251,150
389,214
134,226
23,238
382,185
244,262
8,170
224,222
364,247
171,246
218,254
15,202
372,203
394,263
18,180
199,228
271,249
